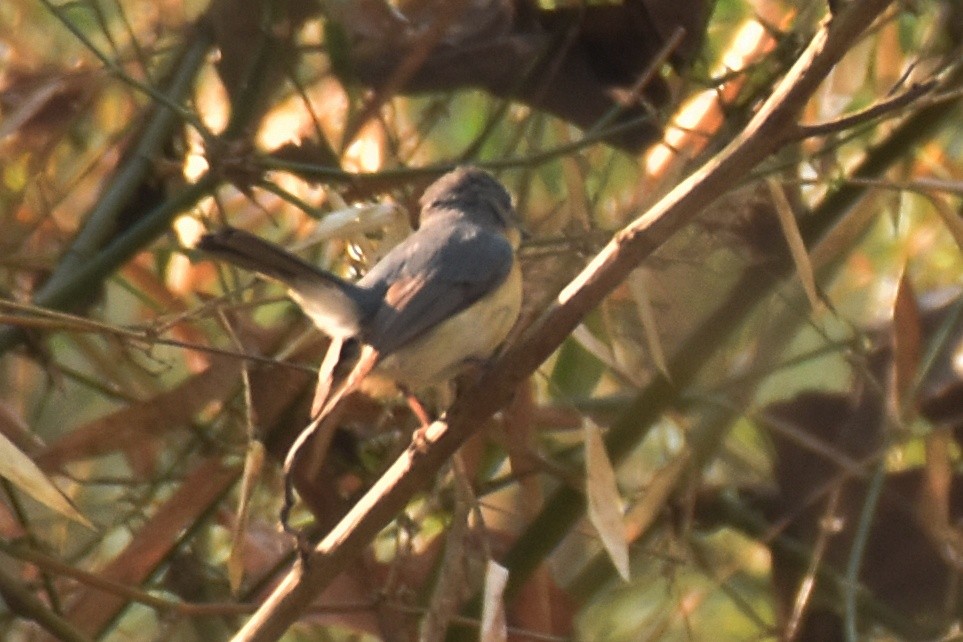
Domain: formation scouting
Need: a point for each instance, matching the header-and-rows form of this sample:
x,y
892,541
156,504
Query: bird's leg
x,y
418,408
318,434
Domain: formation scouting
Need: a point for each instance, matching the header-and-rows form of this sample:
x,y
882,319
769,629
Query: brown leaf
x,y
907,344
36,101
139,424
638,288
493,625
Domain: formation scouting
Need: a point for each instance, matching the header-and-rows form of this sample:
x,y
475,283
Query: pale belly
x,y
472,334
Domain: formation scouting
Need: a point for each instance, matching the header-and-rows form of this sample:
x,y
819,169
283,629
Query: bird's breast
x,y
471,335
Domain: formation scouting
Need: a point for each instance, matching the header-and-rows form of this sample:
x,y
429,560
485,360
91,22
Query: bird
x,y
445,296
442,299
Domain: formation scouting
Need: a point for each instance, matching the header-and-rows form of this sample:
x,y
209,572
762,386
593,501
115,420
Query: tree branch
x,y
877,110
772,127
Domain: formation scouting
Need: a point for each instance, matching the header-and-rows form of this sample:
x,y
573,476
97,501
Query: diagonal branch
x,y
771,128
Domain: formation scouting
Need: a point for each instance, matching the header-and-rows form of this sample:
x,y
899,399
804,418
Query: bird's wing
x,y
437,275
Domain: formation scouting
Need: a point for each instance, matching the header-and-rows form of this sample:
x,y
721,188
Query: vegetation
x,y
727,412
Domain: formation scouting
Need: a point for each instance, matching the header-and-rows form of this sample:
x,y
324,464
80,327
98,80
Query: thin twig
x,y
855,562
871,113
24,604
156,95
53,321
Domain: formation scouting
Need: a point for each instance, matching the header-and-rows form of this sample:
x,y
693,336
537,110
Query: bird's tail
x,y
336,306
251,252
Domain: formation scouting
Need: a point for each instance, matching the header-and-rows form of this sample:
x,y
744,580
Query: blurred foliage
x,y
120,378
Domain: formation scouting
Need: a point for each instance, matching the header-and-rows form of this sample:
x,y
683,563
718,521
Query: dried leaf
x,y
604,502
797,247
936,509
27,476
37,101
907,342
494,626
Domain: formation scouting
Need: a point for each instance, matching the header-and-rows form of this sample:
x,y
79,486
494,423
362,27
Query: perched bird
x,y
445,297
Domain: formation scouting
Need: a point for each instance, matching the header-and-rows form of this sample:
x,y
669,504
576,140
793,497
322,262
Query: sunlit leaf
x,y
20,470
494,626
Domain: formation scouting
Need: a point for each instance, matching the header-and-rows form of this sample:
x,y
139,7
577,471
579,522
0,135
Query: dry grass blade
x,y
253,464
797,247
494,627
23,473
604,500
